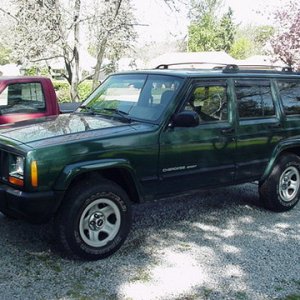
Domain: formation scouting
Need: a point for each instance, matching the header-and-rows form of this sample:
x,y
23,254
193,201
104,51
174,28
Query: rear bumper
x,y
39,206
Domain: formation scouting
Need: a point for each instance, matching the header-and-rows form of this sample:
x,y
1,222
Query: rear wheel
x,y
94,220
281,190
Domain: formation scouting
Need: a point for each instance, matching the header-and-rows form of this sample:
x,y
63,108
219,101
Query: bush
x,y
62,89
84,89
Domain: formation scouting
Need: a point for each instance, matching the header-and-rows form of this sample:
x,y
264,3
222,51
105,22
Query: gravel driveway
x,y
216,244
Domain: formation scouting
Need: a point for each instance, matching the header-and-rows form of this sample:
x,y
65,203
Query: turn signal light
x,y
16,181
34,174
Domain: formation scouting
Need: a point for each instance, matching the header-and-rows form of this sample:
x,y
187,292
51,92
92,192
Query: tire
x,y
94,220
9,214
281,190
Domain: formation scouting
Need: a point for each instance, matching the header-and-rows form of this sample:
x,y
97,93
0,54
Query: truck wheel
x,y
8,214
281,190
94,219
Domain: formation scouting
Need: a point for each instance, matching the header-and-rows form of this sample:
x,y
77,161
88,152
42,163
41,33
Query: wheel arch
x,y
280,150
118,171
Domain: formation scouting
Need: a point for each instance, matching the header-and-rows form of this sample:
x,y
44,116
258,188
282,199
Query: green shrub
x,y
62,89
84,89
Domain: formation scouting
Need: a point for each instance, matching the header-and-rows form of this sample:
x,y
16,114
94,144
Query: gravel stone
x,y
215,244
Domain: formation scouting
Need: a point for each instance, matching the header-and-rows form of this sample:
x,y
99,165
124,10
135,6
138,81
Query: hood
x,y
62,128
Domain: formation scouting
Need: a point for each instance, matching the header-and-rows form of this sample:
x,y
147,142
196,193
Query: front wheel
x,y
94,220
281,190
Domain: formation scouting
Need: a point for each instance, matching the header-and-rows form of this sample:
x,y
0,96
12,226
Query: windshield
x,y
136,96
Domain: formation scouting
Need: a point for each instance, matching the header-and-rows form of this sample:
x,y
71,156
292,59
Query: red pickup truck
x,y
28,97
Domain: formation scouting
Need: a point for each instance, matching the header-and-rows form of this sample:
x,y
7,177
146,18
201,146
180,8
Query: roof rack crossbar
x,y
231,68
287,69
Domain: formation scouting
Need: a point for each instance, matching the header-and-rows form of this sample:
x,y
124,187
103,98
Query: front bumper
x,y
39,206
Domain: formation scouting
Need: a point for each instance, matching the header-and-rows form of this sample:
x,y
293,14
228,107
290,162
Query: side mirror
x,y
186,119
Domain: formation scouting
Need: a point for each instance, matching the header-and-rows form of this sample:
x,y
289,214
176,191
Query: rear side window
x,y
290,96
254,98
22,98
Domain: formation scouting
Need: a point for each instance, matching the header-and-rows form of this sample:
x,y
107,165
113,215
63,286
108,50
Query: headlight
x,y
16,170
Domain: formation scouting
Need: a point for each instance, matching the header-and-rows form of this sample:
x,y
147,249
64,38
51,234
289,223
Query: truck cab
x,y
26,97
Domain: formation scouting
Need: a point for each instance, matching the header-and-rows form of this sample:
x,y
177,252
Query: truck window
x,y
143,97
209,101
22,98
290,96
254,98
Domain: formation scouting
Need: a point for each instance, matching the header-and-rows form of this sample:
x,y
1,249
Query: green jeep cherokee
x,y
146,134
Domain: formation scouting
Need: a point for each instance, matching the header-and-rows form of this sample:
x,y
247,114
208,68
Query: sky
x,y
163,24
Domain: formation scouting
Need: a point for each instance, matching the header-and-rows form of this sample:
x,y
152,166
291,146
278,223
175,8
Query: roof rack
x,y
233,68
192,63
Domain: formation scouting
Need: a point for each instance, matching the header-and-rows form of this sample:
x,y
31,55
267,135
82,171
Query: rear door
x,y
289,93
259,127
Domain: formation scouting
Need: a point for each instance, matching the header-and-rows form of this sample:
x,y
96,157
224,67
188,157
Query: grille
x,y
4,166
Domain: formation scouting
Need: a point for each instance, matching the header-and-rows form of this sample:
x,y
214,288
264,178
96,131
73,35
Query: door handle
x,y
274,126
227,130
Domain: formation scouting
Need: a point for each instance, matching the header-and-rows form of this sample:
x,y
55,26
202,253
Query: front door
x,y
193,157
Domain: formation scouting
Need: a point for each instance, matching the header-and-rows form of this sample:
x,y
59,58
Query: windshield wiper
x,y
119,113
89,109
124,115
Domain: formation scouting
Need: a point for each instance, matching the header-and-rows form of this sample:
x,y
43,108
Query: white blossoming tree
x,y
45,29
286,41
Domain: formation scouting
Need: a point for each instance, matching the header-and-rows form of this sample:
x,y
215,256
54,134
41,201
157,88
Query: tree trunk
x,y
101,51
75,64
100,56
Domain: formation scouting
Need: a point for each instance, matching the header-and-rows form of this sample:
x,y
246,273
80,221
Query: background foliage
x,y
208,31
62,90
34,32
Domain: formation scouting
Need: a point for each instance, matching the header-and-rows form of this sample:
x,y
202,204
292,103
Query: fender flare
x,y
288,145
71,171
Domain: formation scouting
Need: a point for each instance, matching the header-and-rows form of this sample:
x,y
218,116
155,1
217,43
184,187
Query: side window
x,y
209,101
22,98
290,96
254,99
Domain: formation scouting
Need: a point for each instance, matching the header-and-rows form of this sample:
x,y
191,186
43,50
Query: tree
x,y
263,35
242,48
4,54
113,34
251,40
47,29
227,31
286,41
5,37
43,30
207,31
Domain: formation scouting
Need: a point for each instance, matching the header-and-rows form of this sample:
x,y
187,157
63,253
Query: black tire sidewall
x,y
72,213
269,189
285,163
